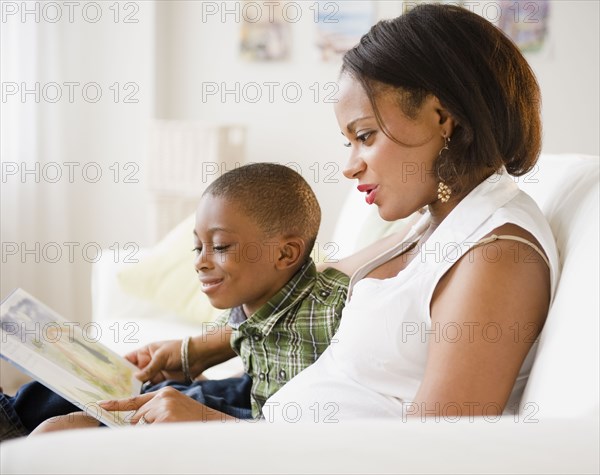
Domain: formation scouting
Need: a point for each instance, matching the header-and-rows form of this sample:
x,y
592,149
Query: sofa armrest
x,y
364,446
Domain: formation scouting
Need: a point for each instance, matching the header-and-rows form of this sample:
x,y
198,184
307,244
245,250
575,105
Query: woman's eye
x,y
221,248
363,137
197,250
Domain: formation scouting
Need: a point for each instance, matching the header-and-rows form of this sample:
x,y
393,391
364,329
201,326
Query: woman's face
x,y
397,177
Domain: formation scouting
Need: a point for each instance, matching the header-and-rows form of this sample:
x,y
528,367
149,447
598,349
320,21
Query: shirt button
x,y
261,376
256,337
282,374
324,293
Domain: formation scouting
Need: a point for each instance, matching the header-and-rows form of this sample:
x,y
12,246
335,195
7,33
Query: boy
x,y
255,228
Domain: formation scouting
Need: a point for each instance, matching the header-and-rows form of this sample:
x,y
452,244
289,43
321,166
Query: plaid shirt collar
x,y
265,318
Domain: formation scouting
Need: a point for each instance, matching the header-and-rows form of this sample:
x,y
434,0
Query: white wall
x,y
569,78
37,132
193,53
50,213
303,132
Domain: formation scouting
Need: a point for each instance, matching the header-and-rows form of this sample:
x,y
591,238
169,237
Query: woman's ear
x,y
445,119
291,252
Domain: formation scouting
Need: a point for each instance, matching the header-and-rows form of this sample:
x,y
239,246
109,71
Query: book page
x,y
59,355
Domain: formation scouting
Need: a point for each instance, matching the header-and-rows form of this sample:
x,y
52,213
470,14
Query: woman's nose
x,y
354,166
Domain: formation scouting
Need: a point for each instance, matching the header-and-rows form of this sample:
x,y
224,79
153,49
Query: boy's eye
x,y
220,248
215,247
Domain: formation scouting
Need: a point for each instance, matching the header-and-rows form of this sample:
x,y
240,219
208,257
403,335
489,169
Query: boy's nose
x,y
202,262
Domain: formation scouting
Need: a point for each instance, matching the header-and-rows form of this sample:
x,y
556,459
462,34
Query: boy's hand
x,y
161,360
158,361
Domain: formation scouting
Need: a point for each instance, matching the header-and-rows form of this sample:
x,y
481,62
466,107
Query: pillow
x,y
166,277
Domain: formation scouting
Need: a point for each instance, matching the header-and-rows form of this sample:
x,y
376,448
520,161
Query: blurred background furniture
x,y
184,157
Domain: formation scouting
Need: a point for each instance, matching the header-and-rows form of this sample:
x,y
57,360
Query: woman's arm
x,y
486,312
165,405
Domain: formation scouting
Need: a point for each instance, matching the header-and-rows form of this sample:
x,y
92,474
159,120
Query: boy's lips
x,y
210,285
371,191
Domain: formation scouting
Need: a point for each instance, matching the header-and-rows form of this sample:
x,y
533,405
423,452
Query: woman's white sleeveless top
x,y
376,361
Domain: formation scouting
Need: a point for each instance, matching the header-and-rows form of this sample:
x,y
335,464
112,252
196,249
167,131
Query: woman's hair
x,y
277,198
475,71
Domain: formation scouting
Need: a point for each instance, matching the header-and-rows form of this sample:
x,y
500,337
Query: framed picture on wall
x,y
265,34
340,26
523,21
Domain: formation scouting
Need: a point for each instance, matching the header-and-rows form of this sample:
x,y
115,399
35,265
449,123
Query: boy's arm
x,y
161,360
210,349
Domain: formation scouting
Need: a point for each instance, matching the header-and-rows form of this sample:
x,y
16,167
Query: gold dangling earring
x,y
444,191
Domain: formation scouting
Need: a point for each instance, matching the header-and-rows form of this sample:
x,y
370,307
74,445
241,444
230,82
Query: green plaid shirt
x,y
289,332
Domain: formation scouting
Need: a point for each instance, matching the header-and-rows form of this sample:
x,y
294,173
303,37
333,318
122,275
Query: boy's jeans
x,y
34,403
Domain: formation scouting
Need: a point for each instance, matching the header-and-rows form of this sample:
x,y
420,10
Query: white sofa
x,y
558,432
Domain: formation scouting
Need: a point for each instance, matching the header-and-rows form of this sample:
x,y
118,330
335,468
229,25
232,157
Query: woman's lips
x,y
371,191
210,285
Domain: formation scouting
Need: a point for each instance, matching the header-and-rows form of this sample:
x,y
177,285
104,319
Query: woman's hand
x,y
164,405
158,361
75,420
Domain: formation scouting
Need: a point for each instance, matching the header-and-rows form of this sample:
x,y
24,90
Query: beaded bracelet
x,y
185,365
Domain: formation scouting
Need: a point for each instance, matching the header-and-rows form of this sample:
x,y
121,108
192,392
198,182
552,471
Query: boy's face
x,y
235,261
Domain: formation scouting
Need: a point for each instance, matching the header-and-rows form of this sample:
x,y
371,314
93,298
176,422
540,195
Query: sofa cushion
x,y
565,376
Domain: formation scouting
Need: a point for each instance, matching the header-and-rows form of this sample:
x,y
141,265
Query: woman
x,y
443,322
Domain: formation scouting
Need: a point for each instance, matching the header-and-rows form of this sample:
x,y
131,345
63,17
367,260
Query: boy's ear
x,y
291,252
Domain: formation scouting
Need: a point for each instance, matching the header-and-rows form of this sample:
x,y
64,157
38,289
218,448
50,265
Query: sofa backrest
x,y
359,225
565,375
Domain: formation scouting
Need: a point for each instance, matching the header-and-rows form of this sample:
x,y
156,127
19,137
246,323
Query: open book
x,y
61,356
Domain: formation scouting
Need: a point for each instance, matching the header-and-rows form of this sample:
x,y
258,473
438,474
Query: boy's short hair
x,y
278,198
